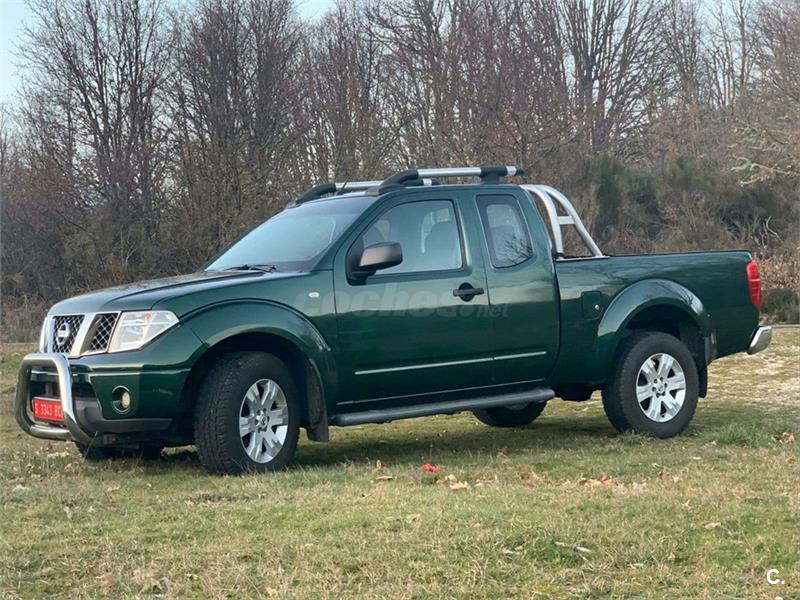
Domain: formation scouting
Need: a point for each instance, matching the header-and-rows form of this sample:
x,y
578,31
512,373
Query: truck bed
x,y
718,279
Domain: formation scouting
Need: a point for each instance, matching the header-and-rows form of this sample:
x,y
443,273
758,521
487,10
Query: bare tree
x,y
774,129
150,133
616,66
234,106
94,111
350,132
730,50
682,37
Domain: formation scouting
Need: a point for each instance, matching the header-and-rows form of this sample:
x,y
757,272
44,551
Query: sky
x,y
14,15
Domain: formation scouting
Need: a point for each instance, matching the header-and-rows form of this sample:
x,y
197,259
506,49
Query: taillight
x,y
754,283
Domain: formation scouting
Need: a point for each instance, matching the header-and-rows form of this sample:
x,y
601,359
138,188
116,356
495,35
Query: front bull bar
x,y
72,430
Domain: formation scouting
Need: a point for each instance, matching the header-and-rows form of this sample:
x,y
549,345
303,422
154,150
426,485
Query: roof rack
x,y
550,197
487,174
322,189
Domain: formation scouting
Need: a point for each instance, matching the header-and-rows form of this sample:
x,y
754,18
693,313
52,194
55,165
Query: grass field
x,y
563,508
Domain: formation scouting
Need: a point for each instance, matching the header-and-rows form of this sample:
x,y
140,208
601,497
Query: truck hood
x,y
144,295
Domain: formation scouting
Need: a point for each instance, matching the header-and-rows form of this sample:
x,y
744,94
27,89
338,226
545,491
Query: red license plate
x,y
47,409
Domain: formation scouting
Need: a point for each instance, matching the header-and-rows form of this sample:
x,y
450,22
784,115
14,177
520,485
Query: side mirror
x,y
378,256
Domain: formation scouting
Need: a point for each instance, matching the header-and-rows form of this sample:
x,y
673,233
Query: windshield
x,y
294,239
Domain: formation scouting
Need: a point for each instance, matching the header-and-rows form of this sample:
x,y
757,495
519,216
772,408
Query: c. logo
x,y
63,333
772,577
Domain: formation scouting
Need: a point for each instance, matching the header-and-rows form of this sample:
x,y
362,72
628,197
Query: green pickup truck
x,y
371,301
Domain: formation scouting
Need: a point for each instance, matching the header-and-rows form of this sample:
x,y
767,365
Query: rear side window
x,y
505,229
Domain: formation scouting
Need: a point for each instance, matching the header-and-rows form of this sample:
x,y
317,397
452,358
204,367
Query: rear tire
x,y
508,416
247,417
654,387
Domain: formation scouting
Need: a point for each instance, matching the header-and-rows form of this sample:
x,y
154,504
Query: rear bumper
x,y
83,417
762,336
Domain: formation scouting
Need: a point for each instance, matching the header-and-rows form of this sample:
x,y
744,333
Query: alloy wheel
x,y
263,420
661,387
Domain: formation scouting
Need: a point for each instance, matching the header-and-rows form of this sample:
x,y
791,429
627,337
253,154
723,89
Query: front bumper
x,y
83,416
762,336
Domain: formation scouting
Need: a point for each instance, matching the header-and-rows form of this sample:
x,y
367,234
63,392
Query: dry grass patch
x,y
564,508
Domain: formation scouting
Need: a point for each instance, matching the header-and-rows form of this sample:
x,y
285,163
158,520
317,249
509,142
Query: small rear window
x,y
505,229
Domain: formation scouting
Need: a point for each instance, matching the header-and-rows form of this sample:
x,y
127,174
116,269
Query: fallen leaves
x,y
454,484
604,480
575,547
409,519
787,437
712,525
58,454
428,468
662,475
107,581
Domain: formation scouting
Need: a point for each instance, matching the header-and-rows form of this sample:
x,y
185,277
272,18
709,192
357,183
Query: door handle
x,y
466,292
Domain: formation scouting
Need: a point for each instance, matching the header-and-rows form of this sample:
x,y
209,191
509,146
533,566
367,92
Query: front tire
x,y
654,388
247,416
510,416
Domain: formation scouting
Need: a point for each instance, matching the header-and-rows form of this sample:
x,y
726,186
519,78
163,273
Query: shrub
x,y
782,305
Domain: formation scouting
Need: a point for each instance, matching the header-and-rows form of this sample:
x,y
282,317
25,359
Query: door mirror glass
x,y
382,255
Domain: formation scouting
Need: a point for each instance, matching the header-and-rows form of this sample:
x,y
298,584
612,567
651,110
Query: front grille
x,y
64,331
94,339
103,327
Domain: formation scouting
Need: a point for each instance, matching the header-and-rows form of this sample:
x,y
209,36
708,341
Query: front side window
x,y
426,231
505,229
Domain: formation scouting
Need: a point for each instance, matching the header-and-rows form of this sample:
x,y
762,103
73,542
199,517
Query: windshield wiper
x,y
263,268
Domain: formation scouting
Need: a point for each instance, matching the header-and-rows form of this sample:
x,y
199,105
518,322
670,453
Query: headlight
x,y
135,329
43,337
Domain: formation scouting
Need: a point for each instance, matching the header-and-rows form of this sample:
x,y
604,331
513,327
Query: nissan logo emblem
x,y
63,333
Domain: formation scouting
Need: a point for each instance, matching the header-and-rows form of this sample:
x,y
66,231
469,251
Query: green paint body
x,y
401,339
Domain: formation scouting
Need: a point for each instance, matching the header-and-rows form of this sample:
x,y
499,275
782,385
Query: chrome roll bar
x,y
72,429
550,197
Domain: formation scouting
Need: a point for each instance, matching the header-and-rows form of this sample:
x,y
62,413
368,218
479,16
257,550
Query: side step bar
x,y
447,407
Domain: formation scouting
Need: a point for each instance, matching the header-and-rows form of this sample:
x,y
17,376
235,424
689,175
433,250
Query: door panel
x,y
522,291
403,331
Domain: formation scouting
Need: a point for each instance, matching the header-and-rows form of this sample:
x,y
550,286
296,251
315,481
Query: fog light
x,y
121,398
